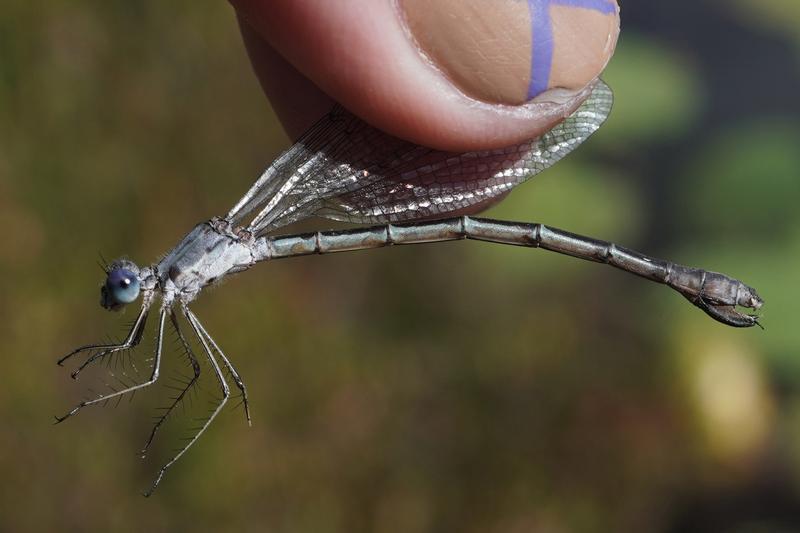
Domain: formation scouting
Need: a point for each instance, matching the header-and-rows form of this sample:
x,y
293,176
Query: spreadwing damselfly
x,y
399,193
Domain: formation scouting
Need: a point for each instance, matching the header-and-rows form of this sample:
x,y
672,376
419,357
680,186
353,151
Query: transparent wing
x,y
340,153
343,169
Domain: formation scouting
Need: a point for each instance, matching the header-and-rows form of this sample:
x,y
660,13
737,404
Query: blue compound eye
x,y
122,286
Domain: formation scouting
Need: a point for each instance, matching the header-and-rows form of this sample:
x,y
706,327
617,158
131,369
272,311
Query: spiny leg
x,y
119,393
132,339
181,391
234,374
198,330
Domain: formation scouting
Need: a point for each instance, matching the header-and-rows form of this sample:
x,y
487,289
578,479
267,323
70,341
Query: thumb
x,y
449,74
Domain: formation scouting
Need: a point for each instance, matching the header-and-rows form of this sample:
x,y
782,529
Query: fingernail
x,y
511,51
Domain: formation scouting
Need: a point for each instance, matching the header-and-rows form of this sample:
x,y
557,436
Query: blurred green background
x,y
459,387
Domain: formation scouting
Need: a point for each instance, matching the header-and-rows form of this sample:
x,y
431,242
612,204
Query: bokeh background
x,y
459,387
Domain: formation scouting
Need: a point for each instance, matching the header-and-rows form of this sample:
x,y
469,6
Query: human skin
x,y
448,74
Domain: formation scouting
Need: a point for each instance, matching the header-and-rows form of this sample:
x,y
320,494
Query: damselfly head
x,y
122,285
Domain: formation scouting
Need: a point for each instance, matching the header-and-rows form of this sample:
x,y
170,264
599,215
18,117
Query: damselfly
x,y
345,170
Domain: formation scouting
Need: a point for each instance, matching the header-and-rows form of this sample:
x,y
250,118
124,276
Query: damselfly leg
x,y
101,350
229,366
182,391
207,349
153,377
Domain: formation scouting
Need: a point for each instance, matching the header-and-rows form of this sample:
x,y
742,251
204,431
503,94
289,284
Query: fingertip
x,y
294,98
509,52
426,85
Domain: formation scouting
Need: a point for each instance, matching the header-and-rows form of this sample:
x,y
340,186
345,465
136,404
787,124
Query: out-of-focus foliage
x,y
656,91
458,387
780,15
